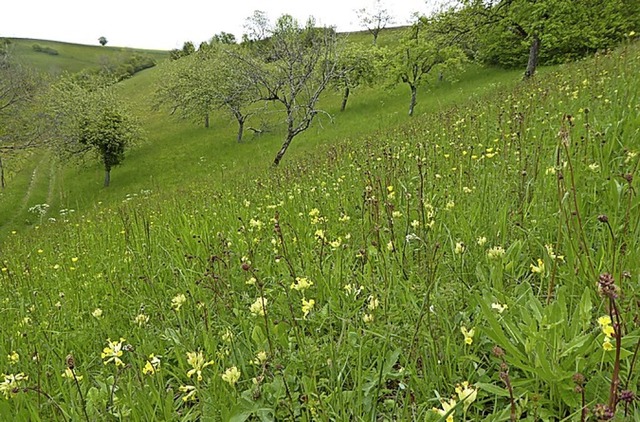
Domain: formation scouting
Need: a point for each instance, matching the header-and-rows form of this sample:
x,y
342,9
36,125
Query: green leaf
x,y
493,389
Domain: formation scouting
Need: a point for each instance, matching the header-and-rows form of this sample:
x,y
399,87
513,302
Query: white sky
x,y
167,24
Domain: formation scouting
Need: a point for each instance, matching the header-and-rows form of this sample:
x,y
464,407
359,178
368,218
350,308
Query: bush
x,y
47,50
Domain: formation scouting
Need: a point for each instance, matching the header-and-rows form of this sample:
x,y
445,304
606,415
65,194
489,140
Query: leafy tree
x,y
89,118
223,38
527,32
188,48
293,68
206,81
357,65
423,50
21,127
375,19
257,27
103,41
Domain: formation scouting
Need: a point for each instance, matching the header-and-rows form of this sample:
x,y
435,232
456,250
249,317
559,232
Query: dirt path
x,y
27,195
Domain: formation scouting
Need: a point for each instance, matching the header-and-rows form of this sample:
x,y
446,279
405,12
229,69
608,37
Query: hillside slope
x,y
473,260
55,57
177,154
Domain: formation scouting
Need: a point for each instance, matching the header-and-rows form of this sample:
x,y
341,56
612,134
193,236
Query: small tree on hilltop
x,y
375,19
103,41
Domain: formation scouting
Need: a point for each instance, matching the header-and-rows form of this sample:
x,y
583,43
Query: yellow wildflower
x,y
231,375
141,319
191,392
14,357
177,301
498,307
538,269
261,358
112,352
307,306
466,394
301,284
10,385
373,303
152,365
468,334
447,406
258,308
496,252
604,320
196,360
607,345
69,374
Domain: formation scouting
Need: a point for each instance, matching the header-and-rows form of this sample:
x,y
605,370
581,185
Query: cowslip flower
x,y
177,301
190,391
69,374
607,345
97,313
152,365
460,248
552,253
481,240
373,302
307,306
231,375
538,269
113,352
496,252
468,334
447,406
197,362
261,358
141,319
466,394
14,357
301,284
498,307
258,308
9,387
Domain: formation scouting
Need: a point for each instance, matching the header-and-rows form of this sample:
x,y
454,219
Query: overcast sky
x,y
167,24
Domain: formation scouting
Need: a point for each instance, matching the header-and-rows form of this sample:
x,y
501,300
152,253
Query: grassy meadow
x,y
55,57
477,262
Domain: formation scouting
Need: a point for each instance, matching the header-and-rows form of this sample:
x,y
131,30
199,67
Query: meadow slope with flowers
x,y
482,263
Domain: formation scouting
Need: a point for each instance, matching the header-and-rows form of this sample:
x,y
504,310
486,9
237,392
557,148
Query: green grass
x,y
498,193
73,57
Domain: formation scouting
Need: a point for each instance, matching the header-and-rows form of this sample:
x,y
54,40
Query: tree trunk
x,y
240,129
534,52
345,97
107,176
283,149
414,94
2,182
206,120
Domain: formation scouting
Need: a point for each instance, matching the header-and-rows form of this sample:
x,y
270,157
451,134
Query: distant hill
x,y
55,57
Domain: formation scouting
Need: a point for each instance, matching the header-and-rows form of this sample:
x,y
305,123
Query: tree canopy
x,y
88,117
